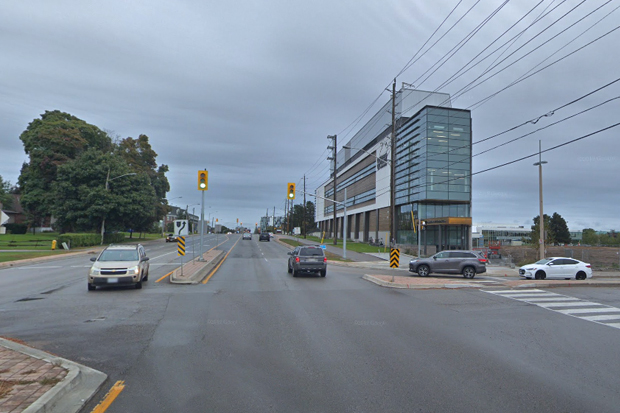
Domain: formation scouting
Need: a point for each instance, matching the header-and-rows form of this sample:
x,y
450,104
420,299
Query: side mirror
x,y
290,253
435,258
93,259
145,259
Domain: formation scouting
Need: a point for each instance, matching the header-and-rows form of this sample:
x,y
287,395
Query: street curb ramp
x,y
69,396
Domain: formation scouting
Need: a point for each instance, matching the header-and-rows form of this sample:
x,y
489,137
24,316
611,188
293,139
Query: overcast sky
x,y
249,90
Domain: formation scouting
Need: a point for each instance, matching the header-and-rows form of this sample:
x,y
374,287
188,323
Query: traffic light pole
x,y
202,225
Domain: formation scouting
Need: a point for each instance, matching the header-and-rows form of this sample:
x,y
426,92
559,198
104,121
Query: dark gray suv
x,y
468,263
307,259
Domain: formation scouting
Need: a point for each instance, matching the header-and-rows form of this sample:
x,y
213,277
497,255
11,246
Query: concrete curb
x,y
389,284
72,393
198,276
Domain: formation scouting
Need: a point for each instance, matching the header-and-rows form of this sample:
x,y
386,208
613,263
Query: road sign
x,y
181,227
394,258
181,246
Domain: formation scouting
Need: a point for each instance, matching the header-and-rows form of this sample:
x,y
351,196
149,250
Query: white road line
x,y
570,304
587,310
600,317
547,299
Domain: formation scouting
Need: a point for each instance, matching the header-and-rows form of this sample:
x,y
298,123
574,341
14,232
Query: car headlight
x,y
133,270
94,271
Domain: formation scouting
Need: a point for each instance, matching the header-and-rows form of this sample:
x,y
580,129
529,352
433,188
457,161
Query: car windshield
x,y
543,261
119,255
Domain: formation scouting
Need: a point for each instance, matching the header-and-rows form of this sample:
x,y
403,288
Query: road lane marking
x,y
206,280
167,275
566,305
110,397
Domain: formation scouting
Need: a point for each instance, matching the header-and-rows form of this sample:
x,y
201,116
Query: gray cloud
x,y
250,91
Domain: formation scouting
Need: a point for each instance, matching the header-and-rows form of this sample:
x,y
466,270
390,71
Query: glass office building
x,y
433,178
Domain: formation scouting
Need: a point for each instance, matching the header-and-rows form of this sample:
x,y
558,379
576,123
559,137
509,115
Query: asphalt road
x,y
256,339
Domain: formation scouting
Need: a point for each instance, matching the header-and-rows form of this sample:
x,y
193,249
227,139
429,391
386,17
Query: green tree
x,y
50,142
589,237
559,229
5,194
535,234
83,202
142,159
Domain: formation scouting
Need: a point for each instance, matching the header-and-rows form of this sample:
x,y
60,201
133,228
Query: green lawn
x,y
351,245
40,245
18,255
330,256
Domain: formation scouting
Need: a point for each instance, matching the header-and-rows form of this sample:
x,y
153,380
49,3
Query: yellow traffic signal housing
x,y
203,180
291,190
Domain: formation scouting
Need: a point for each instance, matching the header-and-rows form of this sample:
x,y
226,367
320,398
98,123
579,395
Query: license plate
x,y
311,260
112,280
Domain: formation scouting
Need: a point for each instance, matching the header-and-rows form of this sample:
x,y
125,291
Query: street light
x,y
541,219
107,181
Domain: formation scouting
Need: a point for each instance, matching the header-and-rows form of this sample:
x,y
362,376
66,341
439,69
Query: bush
x,y
16,228
88,240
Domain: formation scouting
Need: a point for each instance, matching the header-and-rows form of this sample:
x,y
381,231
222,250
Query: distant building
x,y
432,178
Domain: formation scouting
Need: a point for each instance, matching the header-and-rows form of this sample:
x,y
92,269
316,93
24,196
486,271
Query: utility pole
x,y
393,223
273,222
304,225
335,170
541,219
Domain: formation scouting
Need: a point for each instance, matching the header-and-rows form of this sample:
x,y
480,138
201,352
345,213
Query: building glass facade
x,y
433,177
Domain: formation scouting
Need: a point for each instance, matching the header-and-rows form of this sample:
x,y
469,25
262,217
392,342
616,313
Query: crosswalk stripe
x,y
547,299
570,303
563,304
587,310
600,317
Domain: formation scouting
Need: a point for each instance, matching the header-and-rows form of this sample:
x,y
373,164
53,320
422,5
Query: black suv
x,y
307,259
264,236
468,263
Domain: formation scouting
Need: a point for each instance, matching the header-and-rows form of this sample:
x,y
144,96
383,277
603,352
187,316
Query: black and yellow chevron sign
x,y
394,257
180,246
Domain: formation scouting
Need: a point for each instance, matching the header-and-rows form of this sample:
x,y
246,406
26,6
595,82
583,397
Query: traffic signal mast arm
x,y
318,196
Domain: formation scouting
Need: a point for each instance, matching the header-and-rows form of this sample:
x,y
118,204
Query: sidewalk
x,y
35,381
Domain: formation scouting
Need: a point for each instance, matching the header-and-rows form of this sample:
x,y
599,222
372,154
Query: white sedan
x,y
557,267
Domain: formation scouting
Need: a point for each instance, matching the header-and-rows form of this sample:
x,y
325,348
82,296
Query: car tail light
x,y
296,259
482,260
588,265
324,259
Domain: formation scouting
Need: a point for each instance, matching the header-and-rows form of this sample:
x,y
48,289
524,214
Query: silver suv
x,y
119,265
468,263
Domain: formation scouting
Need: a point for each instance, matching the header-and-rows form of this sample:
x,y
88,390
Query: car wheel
x,y
423,270
139,285
294,272
323,273
146,277
469,272
540,275
91,287
290,270
581,275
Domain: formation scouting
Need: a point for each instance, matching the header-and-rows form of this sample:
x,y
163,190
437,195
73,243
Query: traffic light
x,y
203,180
291,190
